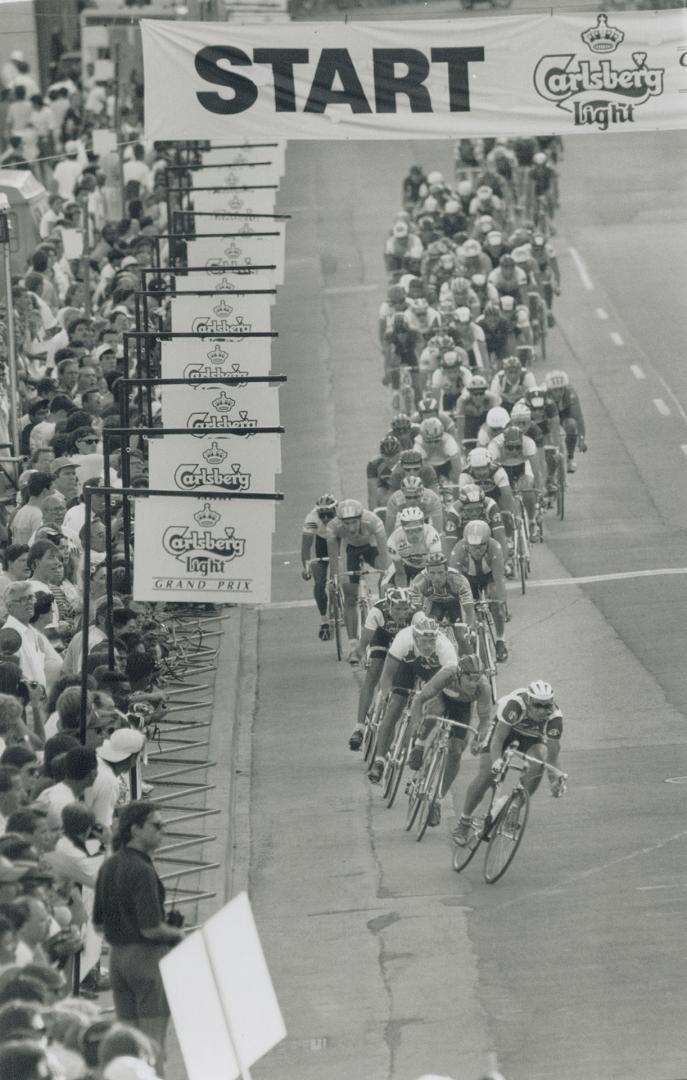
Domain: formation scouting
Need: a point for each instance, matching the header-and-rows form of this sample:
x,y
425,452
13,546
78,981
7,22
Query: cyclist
x,y
471,410
412,492
403,430
379,471
422,318
569,413
409,545
403,250
472,259
493,479
359,535
479,557
468,335
509,280
384,620
512,382
496,326
429,406
547,273
530,717
416,653
544,414
412,184
405,346
471,504
315,528
452,692
461,294
440,450
542,190
451,377
517,453
444,593
412,463
496,421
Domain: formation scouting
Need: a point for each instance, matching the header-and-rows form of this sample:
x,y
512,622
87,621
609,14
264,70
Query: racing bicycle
x,y
425,787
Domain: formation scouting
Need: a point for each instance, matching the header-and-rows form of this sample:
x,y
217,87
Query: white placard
x,y
103,70
558,73
224,408
251,201
226,313
72,240
104,141
203,549
228,153
207,358
221,281
242,249
233,1008
236,175
211,463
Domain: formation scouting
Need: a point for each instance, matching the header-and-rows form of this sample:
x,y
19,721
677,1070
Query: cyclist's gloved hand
x,y
305,574
497,765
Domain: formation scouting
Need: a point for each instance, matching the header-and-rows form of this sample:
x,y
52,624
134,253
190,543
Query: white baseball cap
x,y
121,744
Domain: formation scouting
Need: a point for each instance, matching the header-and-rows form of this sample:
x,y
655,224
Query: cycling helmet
x,y
512,439
411,458
412,486
484,192
538,241
349,510
463,315
397,596
492,308
396,294
479,458
536,399
407,280
485,223
447,260
497,418
451,206
427,405
447,306
419,305
507,303
389,446
411,517
430,205
442,342
326,506
400,229
432,429
539,158
511,363
471,495
555,380
540,692
436,558
520,255
519,237
522,316
469,665
494,238
400,425
450,359
520,414
478,280
423,626
476,533
506,260
464,188
471,248
460,284
435,178
478,382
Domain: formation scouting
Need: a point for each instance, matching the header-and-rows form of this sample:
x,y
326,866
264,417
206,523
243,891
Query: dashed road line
x,y
673,397
637,371
601,313
346,290
661,406
581,269
616,338
684,449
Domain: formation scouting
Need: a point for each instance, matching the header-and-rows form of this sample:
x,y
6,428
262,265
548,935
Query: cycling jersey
x,y
542,178
457,519
429,502
502,456
415,555
462,559
440,452
447,600
474,412
427,474
513,710
509,285
510,391
314,526
379,470
371,531
542,417
568,404
491,485
383,627
403,649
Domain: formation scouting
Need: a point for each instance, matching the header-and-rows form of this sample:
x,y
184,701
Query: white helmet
x,y
464,188
432,429
451,206
423,626
540,692
479,458
435,178
539,158
519,414
409,517
497,418
555,380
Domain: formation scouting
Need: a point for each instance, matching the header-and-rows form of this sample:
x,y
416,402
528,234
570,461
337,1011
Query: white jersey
x,y
401,550
402,648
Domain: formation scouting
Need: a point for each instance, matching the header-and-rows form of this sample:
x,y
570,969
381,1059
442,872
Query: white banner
x,y
242,249
228,313
194,550
226,175
223,281
518,74
206,358
228,152
224,408
210,463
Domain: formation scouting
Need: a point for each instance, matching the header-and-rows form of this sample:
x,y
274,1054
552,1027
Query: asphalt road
x,y
388,964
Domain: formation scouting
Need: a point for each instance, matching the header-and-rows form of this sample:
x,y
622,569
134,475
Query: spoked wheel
x,y
370,732
522,557
464,855
336,619
414,800
560,493
430,791
506,836
394,782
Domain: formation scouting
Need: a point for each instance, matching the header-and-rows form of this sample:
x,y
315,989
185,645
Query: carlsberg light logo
x,y
598,94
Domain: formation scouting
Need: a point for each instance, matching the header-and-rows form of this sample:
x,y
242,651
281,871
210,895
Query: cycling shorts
x,y
456,710
443,469
355,556
321,551
478,582
407,674
381,640
446,608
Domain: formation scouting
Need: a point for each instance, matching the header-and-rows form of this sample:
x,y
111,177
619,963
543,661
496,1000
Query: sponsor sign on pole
x,y
224,153
228,313
227,175
226,407
205,358
252,200
244,249
211,463
221,281
515,75
218,550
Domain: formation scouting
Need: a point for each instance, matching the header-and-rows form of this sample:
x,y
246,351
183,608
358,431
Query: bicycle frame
x,y
426,785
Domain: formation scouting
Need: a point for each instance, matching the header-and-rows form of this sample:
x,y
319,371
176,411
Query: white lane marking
x,y
280,554
601,313
653,888
672,397
545,583
349,290
637,371
581,269
676,780
616,338
661,406
684,449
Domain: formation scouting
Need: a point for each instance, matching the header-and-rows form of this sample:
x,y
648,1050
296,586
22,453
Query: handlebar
x,y
453,723
512,752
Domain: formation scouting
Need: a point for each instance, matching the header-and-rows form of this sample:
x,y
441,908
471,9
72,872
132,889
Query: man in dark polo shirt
x,y
129,911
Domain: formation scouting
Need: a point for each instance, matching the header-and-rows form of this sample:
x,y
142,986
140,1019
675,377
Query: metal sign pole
x,y
11,332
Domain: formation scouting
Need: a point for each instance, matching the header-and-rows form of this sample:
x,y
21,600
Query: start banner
x,y
444,78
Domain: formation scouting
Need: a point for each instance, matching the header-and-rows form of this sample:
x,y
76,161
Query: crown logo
x,y
215,455
218,355
235,203
602,38
223,403
223,308
231,177
233,251
226,284
207,518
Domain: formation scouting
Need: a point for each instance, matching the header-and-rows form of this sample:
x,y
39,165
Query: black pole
x,y
86,613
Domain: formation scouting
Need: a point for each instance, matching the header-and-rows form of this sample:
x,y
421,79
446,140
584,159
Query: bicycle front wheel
x,y
430,791
506,836
464,855
337,620
560,493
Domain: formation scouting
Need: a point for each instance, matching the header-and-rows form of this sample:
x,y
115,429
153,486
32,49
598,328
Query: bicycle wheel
x,y
560,493
522,556
464,855
396,760
506,836
414,800
336,616
431,789
370,731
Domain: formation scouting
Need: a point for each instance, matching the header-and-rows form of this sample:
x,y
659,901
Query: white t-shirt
x,y
102,797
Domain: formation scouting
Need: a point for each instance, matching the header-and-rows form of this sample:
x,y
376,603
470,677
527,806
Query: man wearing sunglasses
x,y
530,717
84,452
315,527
